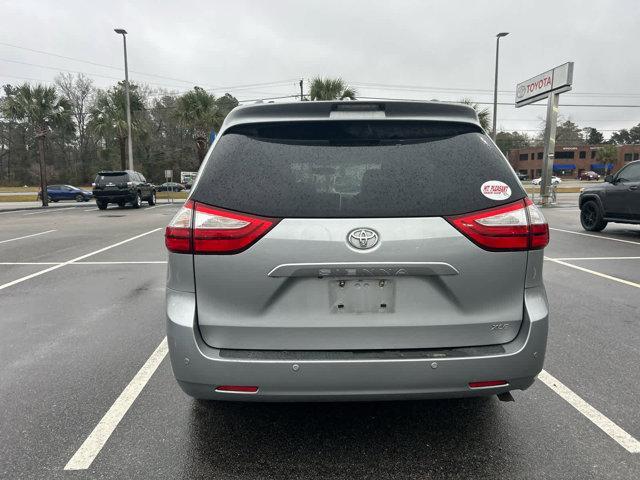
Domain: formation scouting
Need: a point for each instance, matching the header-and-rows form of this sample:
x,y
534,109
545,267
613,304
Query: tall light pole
x,y
495,85
123,32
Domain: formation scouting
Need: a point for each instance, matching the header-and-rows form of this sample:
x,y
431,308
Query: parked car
x,y
589,175
416,275
554,181
170,186
522,176
616,200
66,192
122,187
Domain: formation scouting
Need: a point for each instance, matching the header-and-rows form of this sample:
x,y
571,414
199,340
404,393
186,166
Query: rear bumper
x,y
200,368
114,196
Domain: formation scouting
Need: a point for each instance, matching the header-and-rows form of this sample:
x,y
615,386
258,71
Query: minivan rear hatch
x,y
359,252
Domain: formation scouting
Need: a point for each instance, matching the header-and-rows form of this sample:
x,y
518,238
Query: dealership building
x,y
570,161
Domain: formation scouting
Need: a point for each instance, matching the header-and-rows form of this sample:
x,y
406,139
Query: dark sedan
x,y
170,187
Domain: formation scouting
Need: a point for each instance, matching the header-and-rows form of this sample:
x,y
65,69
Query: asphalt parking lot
x,y
81,348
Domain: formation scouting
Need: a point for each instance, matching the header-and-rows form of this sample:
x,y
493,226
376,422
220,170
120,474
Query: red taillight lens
x,y
201,229
177,236
515,226
220,231
488,383
237,389
538,225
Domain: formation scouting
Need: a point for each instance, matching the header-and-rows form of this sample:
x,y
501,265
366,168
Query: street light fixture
x,y
123,32
495,87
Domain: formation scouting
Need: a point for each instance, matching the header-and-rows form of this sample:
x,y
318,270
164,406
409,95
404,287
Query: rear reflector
x,y
201,229
488,383
516,226
237,389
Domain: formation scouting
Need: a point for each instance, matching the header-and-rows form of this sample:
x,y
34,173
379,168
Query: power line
x,y
264,84
48,67
90,74
95,63
540,120
362,84
383,86
190,82
596,105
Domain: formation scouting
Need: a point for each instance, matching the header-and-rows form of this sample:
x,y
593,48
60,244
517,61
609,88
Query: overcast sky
x,y
447,48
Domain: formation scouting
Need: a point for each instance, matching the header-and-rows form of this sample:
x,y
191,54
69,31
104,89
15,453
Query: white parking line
x,y
26,236
593,272
31,263
53,210
123,262
150,262
90,448
594,236
625,440
594,258
77,259
90,209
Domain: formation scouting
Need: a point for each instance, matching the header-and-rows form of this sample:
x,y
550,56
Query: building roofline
x,y
577,147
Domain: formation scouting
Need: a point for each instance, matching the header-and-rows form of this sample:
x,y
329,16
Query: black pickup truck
x,y
122,187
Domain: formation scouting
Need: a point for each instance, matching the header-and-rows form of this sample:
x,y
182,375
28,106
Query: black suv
x,y
121,187
616,200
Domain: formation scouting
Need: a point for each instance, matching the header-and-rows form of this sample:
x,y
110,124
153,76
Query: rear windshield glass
x,y
112,177
354,169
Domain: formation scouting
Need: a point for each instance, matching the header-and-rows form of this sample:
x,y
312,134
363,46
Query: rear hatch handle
x,y
363,269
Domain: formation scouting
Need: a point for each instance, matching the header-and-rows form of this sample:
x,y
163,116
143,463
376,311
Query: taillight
x,y
221,231
177,236
201,229
516,226
538,225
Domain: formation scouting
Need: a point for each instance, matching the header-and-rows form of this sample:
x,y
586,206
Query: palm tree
x,y
607,155
42,110
483,113
198,111
330,89
109,116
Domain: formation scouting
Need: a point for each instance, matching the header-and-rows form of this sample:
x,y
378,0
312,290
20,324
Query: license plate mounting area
x,y
367,295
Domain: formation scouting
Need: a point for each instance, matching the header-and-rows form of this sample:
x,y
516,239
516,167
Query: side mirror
x,y
608,178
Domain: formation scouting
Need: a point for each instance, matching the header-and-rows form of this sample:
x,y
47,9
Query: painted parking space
x,y
110,320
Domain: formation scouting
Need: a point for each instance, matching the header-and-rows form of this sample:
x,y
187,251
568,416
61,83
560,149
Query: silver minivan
x,y
355,251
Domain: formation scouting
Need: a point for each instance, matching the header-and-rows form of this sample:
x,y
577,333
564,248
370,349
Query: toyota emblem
x,y
363,238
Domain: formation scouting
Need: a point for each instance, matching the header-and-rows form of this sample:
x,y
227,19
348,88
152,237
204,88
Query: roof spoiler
x,y
312,110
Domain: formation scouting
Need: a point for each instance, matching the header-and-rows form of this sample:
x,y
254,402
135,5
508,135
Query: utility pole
x,y
495,85
301,89
123,32
43,168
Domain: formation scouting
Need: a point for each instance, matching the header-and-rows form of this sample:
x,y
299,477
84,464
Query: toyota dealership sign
x,y
556,80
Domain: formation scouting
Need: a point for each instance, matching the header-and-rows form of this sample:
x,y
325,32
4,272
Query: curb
x,y
21,209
